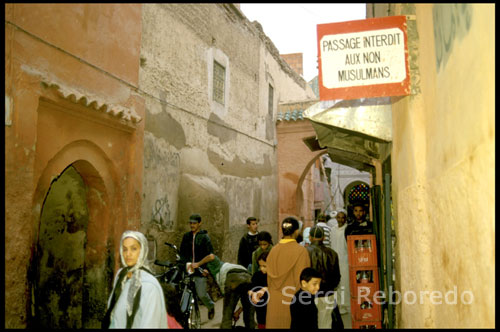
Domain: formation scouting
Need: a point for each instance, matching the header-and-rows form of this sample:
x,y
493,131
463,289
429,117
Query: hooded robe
x,y
285,262
142,286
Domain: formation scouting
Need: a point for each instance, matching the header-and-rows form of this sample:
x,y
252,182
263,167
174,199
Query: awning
x,y
354,131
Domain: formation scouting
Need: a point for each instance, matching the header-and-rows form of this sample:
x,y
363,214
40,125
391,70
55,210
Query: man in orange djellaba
x,y
285,262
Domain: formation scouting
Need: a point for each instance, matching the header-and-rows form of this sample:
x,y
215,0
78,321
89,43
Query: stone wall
x,y
202,156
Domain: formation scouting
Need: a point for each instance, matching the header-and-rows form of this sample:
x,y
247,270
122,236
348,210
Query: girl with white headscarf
x,y
137,299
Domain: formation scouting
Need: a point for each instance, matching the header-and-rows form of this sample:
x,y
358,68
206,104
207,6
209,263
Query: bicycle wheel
x,y
194,320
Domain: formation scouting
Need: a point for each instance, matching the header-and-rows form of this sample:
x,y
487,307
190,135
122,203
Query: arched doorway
x,y
304,197
60,257
356,192
73,260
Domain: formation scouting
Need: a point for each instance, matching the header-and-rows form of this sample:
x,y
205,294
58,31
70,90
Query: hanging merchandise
x,y
329,180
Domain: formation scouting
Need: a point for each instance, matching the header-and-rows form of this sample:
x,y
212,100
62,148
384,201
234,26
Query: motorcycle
x,y
175,274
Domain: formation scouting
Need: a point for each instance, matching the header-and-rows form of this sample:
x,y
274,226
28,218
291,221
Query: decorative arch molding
x,y
96,165
299,195
100,106
101,149
98,174
101,181
127,115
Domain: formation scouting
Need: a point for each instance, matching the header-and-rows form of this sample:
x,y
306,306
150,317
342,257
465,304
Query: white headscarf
x,y
141,262
143,255
343,211
345,214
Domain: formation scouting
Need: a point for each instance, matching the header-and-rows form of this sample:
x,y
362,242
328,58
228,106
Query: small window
x,y
271,96
219,79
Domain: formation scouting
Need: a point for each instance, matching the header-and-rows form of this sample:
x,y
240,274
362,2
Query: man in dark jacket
x,y
325,261
194,247
248,243
360,225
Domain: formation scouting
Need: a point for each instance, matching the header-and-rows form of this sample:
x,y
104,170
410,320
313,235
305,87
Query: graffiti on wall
x,y
155,155
161,180
450,22
161,214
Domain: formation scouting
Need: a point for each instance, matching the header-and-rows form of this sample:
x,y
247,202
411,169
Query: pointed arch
x,y
299,195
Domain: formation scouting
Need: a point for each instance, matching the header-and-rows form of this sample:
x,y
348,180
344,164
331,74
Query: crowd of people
x,y
295,283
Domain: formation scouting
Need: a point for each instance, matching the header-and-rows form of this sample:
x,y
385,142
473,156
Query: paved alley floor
x,y
215,323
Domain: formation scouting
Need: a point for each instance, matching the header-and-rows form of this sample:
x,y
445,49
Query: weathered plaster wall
x,y
51,49
190,136
296,162
443,170
79,26
280,74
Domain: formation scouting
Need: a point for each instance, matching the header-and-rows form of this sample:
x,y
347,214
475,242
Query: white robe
x,y
332,222
151,313
339,245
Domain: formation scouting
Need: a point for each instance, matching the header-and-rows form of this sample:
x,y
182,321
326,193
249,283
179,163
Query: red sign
x,y
363,59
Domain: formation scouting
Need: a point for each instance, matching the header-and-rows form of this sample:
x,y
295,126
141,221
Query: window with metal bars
x,y
219,81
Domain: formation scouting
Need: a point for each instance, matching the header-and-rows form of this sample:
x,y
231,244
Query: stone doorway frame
x,y
99,251
104,183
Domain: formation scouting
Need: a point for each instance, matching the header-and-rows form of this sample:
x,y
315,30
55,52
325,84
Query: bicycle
x,y
175,274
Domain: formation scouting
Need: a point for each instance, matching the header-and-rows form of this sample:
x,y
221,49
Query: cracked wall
x,y
193,140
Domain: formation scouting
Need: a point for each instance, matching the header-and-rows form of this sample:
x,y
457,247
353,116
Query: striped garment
x,y
326,230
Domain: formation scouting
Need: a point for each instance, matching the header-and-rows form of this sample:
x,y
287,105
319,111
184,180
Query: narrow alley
x,y
185,122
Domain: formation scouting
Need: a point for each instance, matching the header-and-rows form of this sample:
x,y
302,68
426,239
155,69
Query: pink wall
x,y
92,51
295,159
